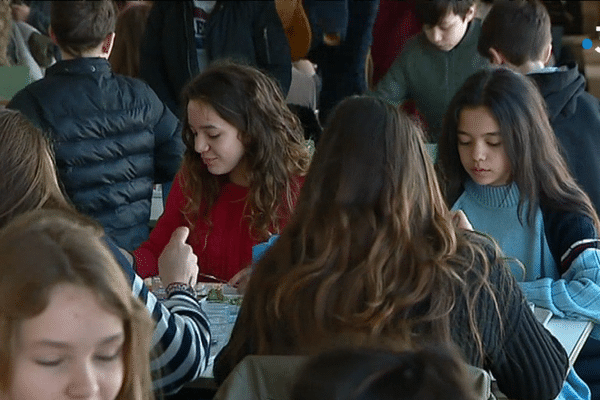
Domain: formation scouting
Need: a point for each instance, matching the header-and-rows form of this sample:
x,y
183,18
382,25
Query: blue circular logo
x,y
586,44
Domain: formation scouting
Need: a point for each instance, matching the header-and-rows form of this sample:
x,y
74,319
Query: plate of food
x,y
218,293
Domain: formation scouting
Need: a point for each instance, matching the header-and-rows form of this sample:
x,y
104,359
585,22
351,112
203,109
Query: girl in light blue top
x,y
501,165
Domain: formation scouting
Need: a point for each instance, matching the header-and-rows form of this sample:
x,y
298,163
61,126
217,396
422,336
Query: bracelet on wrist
x,y
180,287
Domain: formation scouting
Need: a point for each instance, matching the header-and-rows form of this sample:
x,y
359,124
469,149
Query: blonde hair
x,y
43,248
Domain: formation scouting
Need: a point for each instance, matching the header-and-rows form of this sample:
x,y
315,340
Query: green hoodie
x,y
431,76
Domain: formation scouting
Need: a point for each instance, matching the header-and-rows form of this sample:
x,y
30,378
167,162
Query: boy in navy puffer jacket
x,y
113,137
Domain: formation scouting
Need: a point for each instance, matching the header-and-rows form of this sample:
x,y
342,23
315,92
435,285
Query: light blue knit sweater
x,y
575,294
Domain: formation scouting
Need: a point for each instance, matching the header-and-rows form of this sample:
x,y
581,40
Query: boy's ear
x,y
497,58
470,14
547,54
107,44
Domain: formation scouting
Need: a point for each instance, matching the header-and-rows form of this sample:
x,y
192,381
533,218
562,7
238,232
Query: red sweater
x,y
222,251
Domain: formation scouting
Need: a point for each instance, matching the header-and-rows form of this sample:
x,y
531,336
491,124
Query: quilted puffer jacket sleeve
x,y
169,147
24,102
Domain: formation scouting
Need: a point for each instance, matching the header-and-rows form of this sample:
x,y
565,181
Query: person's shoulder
x,y
564,228
20,96
27,99
140,90
416,52
39,86
473,30
570,221
134,83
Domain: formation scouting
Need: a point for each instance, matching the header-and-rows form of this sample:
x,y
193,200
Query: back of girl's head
x,y
370,239
271,134
80,26
365,374
371,158
44,248
28,178
537,165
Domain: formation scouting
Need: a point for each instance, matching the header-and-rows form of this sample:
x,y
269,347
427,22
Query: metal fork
x,y
213,278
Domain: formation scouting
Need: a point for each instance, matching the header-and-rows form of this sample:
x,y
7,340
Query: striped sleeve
x,y
181,337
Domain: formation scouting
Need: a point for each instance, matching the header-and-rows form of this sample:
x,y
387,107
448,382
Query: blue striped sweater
x,y
181,338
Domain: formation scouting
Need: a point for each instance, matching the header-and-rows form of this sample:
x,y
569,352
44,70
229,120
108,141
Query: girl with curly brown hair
x,y
243,166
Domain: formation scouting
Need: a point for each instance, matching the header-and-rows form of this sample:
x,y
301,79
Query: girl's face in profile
x,y
481,148
218,142
72,350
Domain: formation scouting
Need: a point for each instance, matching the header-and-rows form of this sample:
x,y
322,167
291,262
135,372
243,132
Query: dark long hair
x,y
538,167
371,254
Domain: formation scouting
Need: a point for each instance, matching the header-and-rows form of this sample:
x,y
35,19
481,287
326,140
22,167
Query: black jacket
x,y
575,118
113,139
246,31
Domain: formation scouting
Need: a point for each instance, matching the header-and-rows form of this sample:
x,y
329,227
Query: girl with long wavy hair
x,y
372,258
502,166
243,166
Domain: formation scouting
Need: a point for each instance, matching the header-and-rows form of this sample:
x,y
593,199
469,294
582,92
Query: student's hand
x,y
240,280
177,262
460,220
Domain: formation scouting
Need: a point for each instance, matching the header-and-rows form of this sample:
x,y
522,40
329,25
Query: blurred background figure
x,y
396,22
23,48
183,37
305,86
129,31
341,36
35,13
